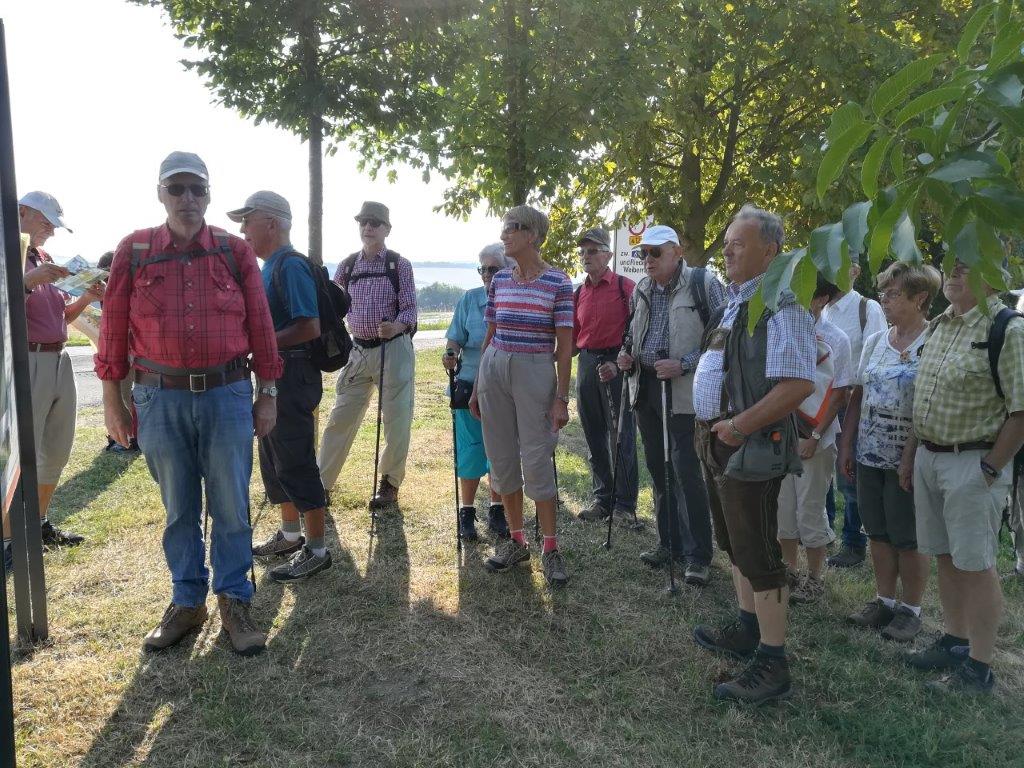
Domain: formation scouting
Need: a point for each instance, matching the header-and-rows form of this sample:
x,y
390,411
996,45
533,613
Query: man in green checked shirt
x,y
960,464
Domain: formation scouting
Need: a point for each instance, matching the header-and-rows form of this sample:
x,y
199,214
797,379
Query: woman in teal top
x,y
466,336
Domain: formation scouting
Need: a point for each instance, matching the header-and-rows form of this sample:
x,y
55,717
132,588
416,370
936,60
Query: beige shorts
x,y
802,501
957,512
54,408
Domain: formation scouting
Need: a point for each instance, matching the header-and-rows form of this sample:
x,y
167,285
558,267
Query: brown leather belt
x,y
197,382
977,445
37,347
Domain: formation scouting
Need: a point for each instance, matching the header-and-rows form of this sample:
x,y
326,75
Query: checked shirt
x,y
374,299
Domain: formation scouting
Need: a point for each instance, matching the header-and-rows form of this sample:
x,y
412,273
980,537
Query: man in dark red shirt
x,y
183,310
600,315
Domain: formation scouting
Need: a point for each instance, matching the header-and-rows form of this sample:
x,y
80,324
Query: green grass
x,y
405,654
76,338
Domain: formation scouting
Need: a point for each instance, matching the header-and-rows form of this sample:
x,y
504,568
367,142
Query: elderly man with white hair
x,y
291,477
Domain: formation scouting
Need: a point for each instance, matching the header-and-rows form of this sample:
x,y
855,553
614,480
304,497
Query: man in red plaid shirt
x,y
381,319
184,309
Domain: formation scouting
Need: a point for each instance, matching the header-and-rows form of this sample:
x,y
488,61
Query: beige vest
x,y
684,334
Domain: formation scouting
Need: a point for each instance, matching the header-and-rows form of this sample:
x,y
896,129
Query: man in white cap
x,y
671,307
184,309
287,455
54,399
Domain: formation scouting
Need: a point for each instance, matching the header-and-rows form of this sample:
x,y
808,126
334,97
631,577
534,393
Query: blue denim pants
x,y
853,534
190,440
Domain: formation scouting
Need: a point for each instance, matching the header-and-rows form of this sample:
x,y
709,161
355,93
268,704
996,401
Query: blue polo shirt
x,y
468,329
299,299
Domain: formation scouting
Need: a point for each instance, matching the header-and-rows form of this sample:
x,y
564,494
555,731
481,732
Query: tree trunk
x,y
515,89
316,188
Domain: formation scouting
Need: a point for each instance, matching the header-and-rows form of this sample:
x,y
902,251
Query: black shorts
x,y
886,510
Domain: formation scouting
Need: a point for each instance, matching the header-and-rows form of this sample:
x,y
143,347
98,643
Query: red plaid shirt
x,y
186,314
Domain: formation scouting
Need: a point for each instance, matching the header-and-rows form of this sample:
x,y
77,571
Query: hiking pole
x,y
669,504
455,449
617,421
376,450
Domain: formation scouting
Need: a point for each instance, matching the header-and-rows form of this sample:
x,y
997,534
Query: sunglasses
x,y
591,251
891,294
177,190
371,223
488,270
651,253
513,226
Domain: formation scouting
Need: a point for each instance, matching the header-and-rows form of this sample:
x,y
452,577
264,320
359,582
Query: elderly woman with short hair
x,y
465,338
522,390
877,426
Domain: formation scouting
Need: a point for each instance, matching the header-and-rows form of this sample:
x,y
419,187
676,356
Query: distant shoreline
x,y
445,264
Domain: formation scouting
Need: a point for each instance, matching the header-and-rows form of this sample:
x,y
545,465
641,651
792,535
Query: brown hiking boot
x,y
177,622
387,494
765,678
734,639
236,622
904,627
874,615
593,513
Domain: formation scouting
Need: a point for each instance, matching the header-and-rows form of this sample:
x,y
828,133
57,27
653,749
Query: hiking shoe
x,y
467,524
177,622
656,558
236,622
697,575
56,537
387,494
765,678
964,680
734,639
848,557
810,590
874,615
904,627
507,554
793,578
278,546
496,522
554,568
593,513
303,565
937,657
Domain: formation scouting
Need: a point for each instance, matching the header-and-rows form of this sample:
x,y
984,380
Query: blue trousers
x,y
191,441
852,535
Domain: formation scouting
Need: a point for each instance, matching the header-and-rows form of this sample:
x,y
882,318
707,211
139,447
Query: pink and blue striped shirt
x,y
525,315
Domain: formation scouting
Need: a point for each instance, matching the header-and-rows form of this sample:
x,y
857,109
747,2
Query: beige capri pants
x,y
515,392
54,408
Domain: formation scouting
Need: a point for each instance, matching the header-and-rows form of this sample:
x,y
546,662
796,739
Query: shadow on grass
x,y
80,490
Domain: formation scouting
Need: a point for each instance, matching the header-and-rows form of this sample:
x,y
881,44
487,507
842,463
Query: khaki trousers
x,y
355,383
54,407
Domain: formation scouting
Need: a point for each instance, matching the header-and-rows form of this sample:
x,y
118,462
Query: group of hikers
x,y
748,424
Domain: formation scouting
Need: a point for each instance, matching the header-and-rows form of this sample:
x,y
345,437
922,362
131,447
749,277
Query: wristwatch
x,y
270,391
816,435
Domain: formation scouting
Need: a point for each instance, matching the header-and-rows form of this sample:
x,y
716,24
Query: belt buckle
x,y
197,382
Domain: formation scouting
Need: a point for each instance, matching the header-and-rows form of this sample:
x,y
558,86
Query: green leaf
x,y
946,127
898,87
1005,87
855,226
896,161
968,165
965,246
881,233
1006,44
971,31
805,280
847,115
927,101
1001,207
779,276
824,249
755,308
838,153
844,279
904,241
873,164
961,215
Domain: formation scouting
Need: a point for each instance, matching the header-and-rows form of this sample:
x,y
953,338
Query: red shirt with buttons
x,y
185,313
601,311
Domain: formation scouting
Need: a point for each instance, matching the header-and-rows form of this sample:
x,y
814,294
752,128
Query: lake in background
x,y
427,274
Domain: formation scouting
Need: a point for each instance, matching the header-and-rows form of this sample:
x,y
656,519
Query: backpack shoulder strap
x,y
224,246
141,245
347,266
391,267
275,278
699,291
862,313
996,337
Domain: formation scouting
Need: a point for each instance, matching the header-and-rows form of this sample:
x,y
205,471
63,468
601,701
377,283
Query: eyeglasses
x,y
488,270
371,223
651,253
177,190
889,294
591,251
512,226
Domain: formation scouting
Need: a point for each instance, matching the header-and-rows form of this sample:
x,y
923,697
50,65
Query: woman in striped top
x,y
522,388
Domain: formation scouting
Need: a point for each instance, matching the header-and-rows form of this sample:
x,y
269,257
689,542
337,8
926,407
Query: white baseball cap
x,y
47,205
183,162
264,200
659,234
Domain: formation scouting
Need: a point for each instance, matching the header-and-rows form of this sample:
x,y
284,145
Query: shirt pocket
x,y
227,297
147,296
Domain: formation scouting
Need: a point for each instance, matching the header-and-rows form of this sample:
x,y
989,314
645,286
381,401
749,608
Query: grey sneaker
x,y
904,627
507,554
937,657
965,681
277,546
874,615
697,575
594,513
302,566
554,568
810,590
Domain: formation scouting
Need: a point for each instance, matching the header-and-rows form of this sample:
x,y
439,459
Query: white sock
x,y
914,609
319,551
292,536
888,602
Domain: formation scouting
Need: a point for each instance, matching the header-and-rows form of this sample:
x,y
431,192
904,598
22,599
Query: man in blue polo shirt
x,y
288,454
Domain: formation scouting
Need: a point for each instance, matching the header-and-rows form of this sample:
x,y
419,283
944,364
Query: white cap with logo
x,y
659,234
47,205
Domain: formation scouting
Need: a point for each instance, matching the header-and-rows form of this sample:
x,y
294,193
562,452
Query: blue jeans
x,y
188,439
852,534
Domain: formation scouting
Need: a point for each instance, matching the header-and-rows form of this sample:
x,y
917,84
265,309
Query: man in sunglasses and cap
x,y
382,319
184,310
671,307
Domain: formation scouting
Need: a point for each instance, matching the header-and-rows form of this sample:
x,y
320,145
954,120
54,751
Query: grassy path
x,y
402,655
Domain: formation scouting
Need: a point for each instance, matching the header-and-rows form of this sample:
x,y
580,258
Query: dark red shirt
x,y
44,306
185,313
601,311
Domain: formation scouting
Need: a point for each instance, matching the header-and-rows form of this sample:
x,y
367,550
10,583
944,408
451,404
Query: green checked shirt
x,y
955,398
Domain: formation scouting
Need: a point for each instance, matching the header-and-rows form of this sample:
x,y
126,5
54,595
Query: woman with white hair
x,y
466,337
522,392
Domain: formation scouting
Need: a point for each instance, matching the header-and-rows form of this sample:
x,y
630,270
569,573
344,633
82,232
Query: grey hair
x,y
496,251
535,221
283,223
770,223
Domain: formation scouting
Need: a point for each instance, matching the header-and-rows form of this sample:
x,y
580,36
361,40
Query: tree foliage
x,y
439,296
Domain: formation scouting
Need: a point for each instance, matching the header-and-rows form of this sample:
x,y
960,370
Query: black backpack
x,y
390,272
330,351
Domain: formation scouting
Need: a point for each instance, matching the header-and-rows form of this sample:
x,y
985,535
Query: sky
x,y
99,98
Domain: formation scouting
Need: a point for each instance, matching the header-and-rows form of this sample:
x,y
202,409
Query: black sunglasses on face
x,y
591,251
372,223
651,253
512,226
488,270
177,190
